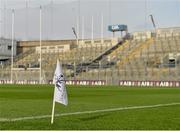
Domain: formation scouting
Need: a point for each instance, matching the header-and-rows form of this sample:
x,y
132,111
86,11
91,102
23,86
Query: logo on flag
x,y
59,82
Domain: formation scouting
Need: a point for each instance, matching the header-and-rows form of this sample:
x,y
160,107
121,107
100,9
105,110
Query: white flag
x,y
60,93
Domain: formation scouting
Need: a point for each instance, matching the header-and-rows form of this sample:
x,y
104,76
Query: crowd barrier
x,y
102,82
68,82
84,82
19,82
150,83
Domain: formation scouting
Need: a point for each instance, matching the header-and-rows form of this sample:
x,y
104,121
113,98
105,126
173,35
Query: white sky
x,y
58,21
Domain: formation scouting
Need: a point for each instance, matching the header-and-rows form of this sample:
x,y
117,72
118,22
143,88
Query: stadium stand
x,y
147,56
155,59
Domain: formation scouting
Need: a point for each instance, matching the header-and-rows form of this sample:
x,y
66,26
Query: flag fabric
x,y
60,93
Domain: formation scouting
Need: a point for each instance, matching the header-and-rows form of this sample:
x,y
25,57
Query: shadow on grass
x,y
89,118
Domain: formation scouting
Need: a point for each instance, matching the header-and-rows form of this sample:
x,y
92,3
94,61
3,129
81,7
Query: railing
x,y
18,57
134,52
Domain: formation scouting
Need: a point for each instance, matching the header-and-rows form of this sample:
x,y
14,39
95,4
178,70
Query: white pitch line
x,y
87,112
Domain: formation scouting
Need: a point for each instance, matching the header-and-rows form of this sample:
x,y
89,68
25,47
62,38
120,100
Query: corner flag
x,y
60,93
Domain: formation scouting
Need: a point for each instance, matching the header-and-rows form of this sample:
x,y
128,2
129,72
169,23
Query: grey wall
x,y
4,51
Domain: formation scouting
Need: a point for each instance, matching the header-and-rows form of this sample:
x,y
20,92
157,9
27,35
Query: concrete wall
x,y
168,32
23,46
97,42
142,35
53,49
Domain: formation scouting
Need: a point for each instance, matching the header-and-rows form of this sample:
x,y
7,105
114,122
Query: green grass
x,y
34,100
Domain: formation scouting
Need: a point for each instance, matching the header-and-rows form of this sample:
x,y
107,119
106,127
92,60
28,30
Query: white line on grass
x,y
87,112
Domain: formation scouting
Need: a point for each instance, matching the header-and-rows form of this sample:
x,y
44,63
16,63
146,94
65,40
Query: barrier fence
x,y
102,82
150,83
68,82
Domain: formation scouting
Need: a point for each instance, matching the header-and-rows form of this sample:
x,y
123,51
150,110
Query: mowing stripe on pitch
x,y
88,112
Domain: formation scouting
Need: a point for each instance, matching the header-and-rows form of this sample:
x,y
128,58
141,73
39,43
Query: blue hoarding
x,y
114,28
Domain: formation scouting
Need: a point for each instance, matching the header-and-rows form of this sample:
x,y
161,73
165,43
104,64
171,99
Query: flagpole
x,y
60,94
12,44
52,116
40,42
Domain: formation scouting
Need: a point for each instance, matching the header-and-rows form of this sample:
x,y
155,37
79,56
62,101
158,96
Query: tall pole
x,y
1,34
102,27
40,42
4,24
77,33
74,70
79,12
0,17
27,22
52,17
77,42
1,9
92,35
109,4
12,45
82,28
146,12
109,11
77,23
77,26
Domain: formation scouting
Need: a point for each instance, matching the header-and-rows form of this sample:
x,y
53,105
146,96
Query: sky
x,y
59,16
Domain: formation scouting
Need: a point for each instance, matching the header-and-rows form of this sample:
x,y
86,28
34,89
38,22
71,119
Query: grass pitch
x,y
18,101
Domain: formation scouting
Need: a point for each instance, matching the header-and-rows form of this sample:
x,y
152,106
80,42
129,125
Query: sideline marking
x,y
87,112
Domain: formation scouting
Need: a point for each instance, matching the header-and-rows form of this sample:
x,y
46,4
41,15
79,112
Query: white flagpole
x,y
60,94
12,45
40,42
52,116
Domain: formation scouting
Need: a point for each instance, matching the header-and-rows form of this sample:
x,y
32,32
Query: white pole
x,y
1,10
102,27
77,26
52,17
77,33
12,45
92,35
5,3
52,116
82,28
26,19
40,42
